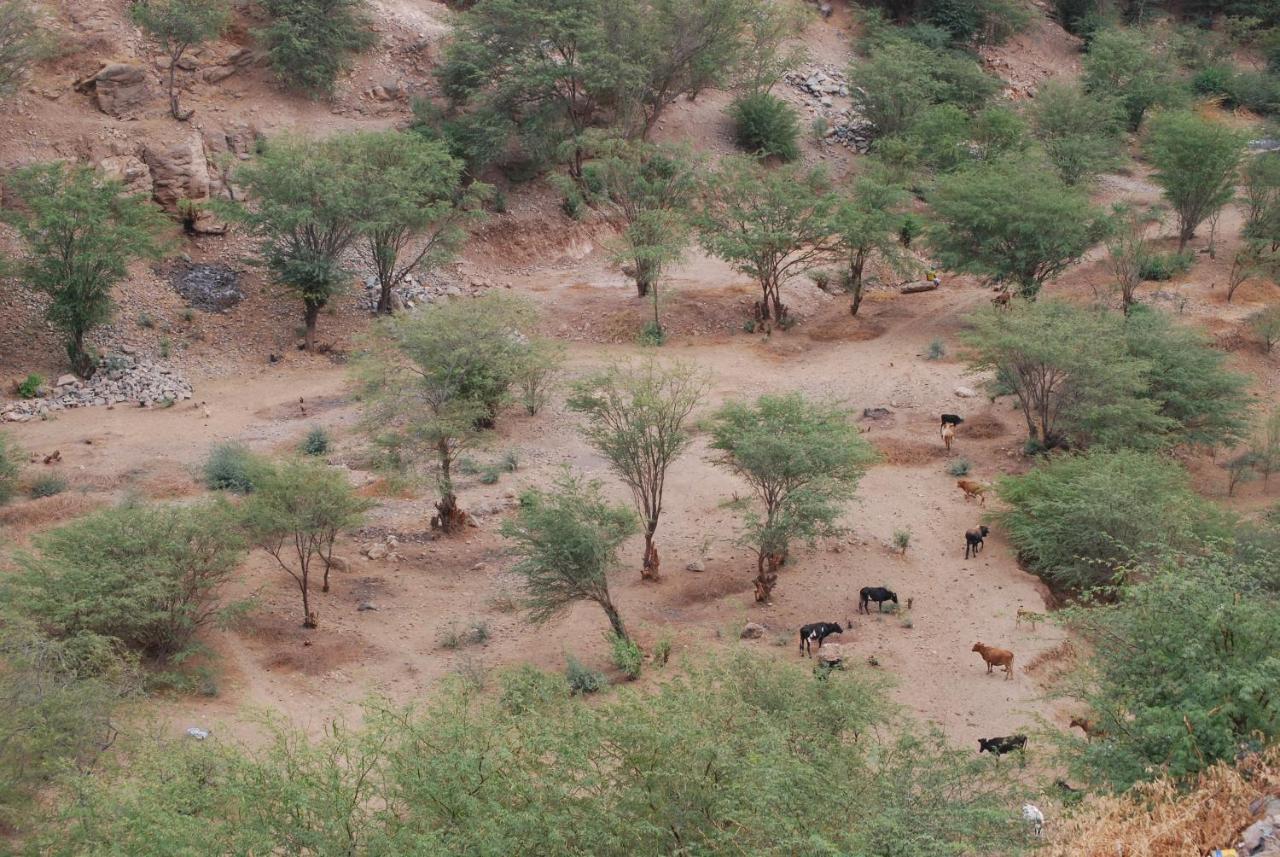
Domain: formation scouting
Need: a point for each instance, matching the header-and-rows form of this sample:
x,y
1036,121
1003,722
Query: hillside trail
x,y
395,651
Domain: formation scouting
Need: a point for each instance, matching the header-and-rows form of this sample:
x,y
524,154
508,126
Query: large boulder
x,y
181,182
121,90
130,171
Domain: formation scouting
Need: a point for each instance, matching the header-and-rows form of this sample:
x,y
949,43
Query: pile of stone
x,y
820,86
1262,838
415,291
123,380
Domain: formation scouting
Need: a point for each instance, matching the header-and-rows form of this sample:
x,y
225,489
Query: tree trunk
x,y
448,518
174,108
766,575
615,621
311,313
384,298
650,569
855,282
308,618
81,363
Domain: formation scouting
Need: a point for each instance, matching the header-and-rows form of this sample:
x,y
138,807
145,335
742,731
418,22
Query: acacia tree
x,y
1262,197
433,380
21,42
1196,163
177,26
637,418
1128,250
1123,63
307,210
802,460
567,540
295,513
414,207
1012,221
770,224
868,224
1082,133
80,233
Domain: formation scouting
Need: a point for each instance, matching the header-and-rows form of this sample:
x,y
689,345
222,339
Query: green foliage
x,y
478,138
568,541
668,768
29,386
868,224
490,475
295,515
1182,669
637,418
899,80
79,233
959,467
802,459
177,26
1265,324
766,126
626,656
981,22
1166,266
902,540
415,211
1124,63
1012,222
47,485
232,467
311,42
1080,521
769,224
147,577
1261,179
316,442
1196,163
21,42
56,702
1143,383
510,461
937,350
537,372
1081,132
583,680
10,468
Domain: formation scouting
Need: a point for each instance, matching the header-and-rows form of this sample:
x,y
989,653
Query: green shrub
x,y
10,468
1258,91
581,679
1213,80
231,467
765,125
1265,324
662,651
936,350
310,42
468,466
28,387
510,461
902,540
626,656
490,475
48,485
1079,521
147,576
959,467
1166,266
316,442
651,335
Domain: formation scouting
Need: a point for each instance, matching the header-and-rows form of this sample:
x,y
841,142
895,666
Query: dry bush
x,y
20,518
1160,820
983,427
1060,659
898,451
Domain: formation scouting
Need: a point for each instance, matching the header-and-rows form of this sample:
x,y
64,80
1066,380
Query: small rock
x,y
65,380
197,733
366,606
965,392
696,565
752,631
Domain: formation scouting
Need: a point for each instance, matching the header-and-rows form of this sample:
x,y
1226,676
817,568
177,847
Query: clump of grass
x,y
936,350
510,461
959,467
473,672
582,679
316,442
902,540
49,485
29,386
166,348
467,466
626,656
821,277
652,335
504,602
231,467
490,475
455,637
662,651
145,320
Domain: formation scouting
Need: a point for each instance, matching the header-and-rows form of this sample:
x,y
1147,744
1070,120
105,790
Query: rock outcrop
x,y
122,90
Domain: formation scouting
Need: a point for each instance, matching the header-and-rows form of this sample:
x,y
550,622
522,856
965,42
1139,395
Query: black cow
x,y
877,594
999,746
818,631
952,420
974,539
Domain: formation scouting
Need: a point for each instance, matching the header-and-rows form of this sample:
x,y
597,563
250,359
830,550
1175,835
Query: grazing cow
x,y
973,489
952,420
877,594
948,436
1032,815
974,540
818,631
1004,300
995,657
999,746
1024,615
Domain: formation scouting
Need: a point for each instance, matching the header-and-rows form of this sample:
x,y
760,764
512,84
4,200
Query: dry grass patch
x,y
896,451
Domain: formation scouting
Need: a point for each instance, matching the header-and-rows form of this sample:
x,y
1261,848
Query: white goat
x,y
1033,816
